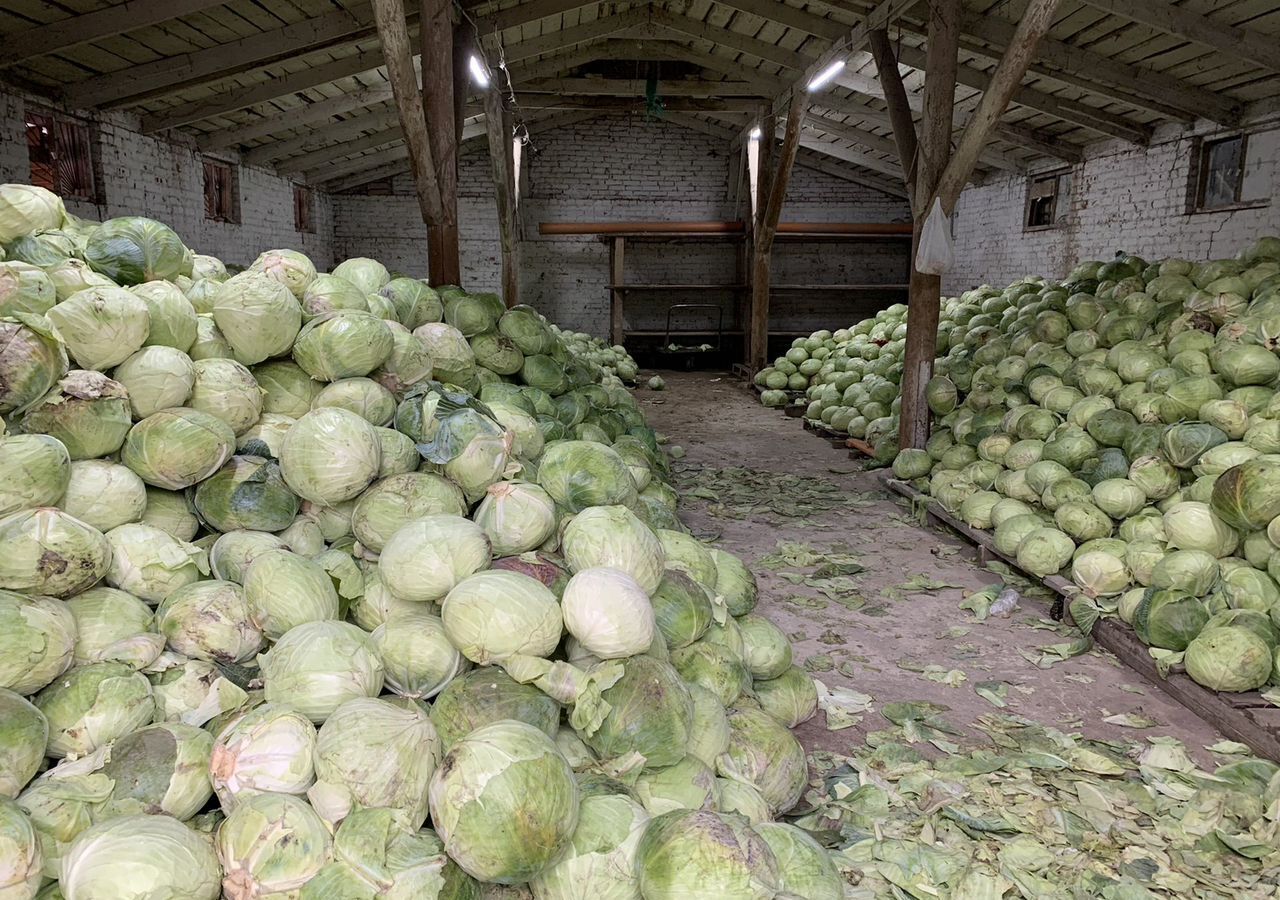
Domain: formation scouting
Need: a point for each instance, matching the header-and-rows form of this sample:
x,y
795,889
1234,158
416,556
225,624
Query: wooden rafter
x,y
174,72
365,63
73,31
319,157
671,26
319,138
1107,124
634,87
1237,43
817,160
1138,86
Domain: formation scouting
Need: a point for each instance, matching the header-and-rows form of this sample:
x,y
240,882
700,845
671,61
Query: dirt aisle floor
x,y
896,630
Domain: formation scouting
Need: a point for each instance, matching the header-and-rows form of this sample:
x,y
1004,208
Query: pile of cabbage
x,y
296,565
1123,426
849,378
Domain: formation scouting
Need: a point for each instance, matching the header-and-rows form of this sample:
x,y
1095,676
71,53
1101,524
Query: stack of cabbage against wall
x,y
1123,426
323,585
851,378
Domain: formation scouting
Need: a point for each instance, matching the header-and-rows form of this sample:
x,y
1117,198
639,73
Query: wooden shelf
x,y
839,287
677,287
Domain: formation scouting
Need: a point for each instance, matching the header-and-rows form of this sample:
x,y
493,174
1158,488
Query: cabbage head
x,y
425,558
608,612
488,695
579,474
499,774
155,855
318,666
375,753
134,250
330,455
612,537
1229,658
490,616
600,860
1169,618
688,853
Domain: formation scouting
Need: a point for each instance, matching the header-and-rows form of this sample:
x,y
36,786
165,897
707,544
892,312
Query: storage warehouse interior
x,y
668,450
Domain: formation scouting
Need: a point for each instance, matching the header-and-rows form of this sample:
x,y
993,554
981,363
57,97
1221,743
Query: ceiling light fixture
x,y
826,76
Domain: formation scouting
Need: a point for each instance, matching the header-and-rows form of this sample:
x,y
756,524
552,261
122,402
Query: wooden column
x,y
438,102
924,299
393,32
767,228
617,247
942,175
497,124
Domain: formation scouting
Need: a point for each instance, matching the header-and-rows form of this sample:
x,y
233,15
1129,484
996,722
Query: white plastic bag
x,y
937,251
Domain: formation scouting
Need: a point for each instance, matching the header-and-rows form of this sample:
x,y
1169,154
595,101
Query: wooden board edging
x,y
1243,717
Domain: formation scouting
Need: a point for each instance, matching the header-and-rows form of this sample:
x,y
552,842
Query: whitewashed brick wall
x,y
1123,198
163,177
626,168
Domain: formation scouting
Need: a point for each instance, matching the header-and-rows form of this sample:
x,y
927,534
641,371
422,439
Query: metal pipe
x,y
804,228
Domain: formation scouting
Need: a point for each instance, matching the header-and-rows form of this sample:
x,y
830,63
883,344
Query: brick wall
x,y
1122,197
626,168
163,177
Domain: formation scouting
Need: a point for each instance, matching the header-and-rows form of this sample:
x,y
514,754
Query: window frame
x,y
83,155
231,216
304,209
1058,219
1199,175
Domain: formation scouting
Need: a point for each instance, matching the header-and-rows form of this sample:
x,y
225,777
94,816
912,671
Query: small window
x,y
303,209
1234,171
61,155
381,187
1048,200
221,199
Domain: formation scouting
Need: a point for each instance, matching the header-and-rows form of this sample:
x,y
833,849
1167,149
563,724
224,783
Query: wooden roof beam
x,y
1104,123
303,116
1139,86
74,30
470,133
556,41
319,138
805,158
632,87
135,83
532,100
366,63
1081,114
1262,50
317,158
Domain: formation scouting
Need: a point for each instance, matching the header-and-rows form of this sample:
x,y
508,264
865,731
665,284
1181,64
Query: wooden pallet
x,y
1243,717
837,439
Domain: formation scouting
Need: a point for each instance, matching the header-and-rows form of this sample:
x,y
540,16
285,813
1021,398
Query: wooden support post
x,y
1035,23
895,95
767,228
393,32
924,298
497,122
438,102
617,248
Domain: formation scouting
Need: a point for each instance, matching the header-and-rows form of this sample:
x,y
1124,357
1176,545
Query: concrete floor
x,y
880,648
